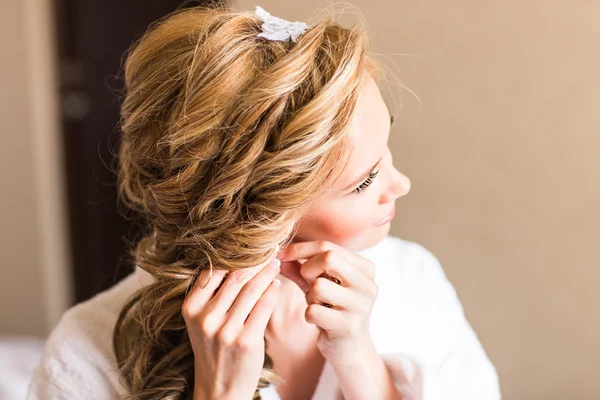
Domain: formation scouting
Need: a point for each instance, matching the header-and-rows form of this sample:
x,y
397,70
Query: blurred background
x,y
502,146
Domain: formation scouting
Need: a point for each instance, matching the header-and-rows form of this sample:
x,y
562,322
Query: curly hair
x,y
227,139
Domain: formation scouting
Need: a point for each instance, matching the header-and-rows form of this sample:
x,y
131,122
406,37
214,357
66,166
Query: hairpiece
x,y
275,28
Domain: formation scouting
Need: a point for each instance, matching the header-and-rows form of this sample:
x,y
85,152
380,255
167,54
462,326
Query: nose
x,y
398,186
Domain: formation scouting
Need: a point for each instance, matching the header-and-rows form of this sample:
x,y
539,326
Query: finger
x,y
234,283
305,250
334,265
325,292
291,270
202,290
323,317
251,292
263,309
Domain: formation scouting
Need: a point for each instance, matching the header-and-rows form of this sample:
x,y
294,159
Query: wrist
x,y
355,355
204,392
368,368
200,395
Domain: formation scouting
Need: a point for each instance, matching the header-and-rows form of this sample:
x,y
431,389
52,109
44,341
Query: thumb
x,y
291,270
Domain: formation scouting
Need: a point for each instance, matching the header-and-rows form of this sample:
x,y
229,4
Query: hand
x,y
342,310
227,329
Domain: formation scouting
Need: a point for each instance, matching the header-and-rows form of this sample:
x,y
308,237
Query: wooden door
x,y
92,38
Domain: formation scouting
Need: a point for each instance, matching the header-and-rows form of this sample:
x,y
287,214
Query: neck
x,y
288,311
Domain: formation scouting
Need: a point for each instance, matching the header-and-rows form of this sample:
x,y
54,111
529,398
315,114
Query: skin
x,y
340,223
329,219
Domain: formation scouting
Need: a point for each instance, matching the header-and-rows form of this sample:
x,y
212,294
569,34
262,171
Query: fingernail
x,y
276,282
275,264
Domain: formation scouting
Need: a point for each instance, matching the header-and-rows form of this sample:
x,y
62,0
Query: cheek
x,y
341,224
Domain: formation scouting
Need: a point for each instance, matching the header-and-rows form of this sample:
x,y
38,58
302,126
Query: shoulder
x,y
411,262
91,322
97,315
421,315
78,356
413,286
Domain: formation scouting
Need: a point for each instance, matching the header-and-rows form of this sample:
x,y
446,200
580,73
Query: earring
x,y
333,279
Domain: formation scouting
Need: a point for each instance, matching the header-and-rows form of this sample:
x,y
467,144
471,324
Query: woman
x,y
252,141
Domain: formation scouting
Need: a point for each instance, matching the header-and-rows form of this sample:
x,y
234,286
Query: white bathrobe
x,y
417,324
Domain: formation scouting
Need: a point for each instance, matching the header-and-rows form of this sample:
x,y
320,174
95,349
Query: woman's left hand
x,y
342,309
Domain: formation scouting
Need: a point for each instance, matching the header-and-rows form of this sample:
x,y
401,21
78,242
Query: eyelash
x,y
366,183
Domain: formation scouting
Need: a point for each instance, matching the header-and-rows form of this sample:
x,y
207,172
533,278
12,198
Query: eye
x,y
366,183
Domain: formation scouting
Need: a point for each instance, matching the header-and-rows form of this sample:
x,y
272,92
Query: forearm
x,y
366,377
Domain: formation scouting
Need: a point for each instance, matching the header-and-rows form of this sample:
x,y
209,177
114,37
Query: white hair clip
x,y
275,28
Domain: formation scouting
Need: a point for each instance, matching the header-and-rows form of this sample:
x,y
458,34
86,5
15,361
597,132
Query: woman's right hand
x,y
227,329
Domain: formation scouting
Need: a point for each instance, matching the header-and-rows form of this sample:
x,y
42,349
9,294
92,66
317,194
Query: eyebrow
x,y
366,174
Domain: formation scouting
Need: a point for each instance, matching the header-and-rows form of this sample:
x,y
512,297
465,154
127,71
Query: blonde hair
x,y
227,139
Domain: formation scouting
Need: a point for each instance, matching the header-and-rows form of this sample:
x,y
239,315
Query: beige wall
x,y
17,204
503,157
34,284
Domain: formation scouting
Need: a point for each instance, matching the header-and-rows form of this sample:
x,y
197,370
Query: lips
x,y
388,217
